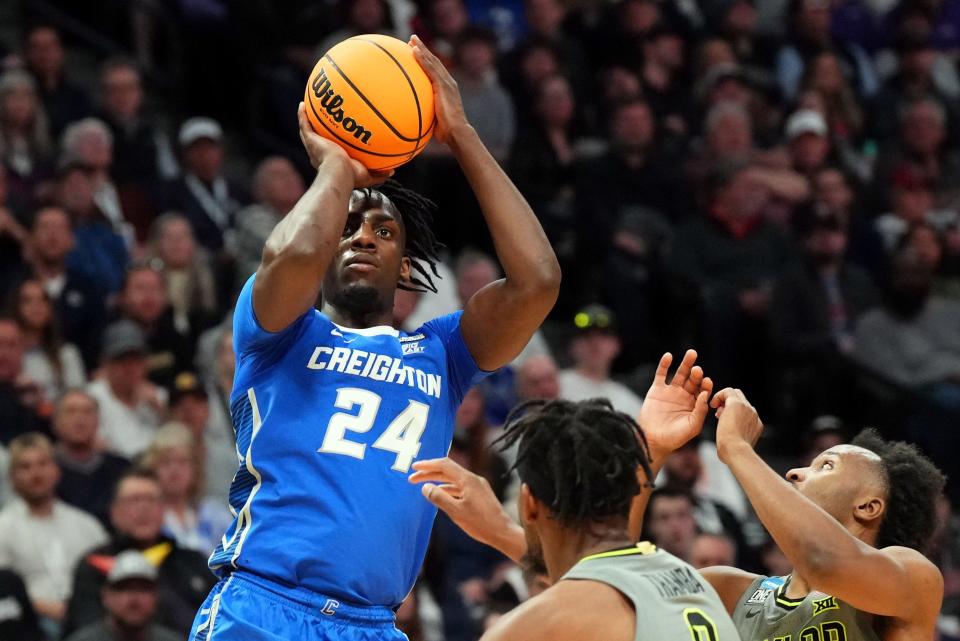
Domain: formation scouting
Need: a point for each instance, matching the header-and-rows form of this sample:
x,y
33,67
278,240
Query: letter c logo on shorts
x,y
330,607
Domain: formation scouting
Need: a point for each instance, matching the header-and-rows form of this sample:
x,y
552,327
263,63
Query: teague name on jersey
x,y
378,367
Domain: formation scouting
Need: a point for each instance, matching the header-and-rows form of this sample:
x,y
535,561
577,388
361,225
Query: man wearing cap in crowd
x,y
593,348
809,140
130,406
130,600
202,193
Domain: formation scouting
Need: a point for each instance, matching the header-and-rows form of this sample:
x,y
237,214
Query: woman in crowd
x,y
25,145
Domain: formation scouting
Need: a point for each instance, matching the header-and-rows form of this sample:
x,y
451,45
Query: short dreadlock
x,y
580,459
416,212
913,485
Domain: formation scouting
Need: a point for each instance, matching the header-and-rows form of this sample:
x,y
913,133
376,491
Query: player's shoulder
x,y
920,570
571,609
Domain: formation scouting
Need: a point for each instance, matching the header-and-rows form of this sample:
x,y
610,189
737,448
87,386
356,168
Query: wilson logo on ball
x,y
331,101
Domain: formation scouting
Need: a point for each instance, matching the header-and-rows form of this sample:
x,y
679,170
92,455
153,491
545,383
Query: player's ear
x,y
527,504
405,270
869,509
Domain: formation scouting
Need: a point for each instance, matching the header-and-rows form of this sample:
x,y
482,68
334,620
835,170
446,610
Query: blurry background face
x,y
672,524
137,510
132,602
833,190
924,242
144,295
175,471
826,245
544,16
475,277
44,52
477,57
76,420
709,550
18,107
175,245
11,350
684,466
555,103
537,65
122,93
923,128
633,127
76,192
537,378
595,349
194,412
204,158
731,136
126,373
809,151
34,474
827,76
34,308
449,17
367,16
279,184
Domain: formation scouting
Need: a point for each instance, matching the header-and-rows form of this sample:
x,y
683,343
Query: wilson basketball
x,y
369,95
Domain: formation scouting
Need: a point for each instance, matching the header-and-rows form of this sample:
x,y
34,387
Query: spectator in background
x,y
190,285
663,86
22,404
535,61
99,252
923,143
361,17
18,619
816,305
87,473
933,250
214,442
89,144
142,152
130,405
130,599
824,432
442,23
183,579
714,494
486,103
729,258
25,145
144,301
538,378
190,519
593,348
13,238
913,202
808,140
810,34
709,550
63,101
843,116
48,360
545,22
41,537
202,193
834,188
276,187
78,303
669,522
736,23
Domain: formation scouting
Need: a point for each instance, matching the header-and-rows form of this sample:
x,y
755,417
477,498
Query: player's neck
x,y
568,547
358,320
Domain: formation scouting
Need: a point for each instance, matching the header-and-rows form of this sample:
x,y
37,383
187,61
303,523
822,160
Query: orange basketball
x,y
369,95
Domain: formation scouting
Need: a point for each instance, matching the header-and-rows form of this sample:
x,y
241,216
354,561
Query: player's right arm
x,y
299,249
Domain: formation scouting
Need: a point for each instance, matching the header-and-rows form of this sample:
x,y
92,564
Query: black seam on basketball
x,y
369,104
413,90
320,119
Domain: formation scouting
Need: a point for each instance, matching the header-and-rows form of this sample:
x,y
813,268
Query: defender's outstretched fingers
x,y
683,371
660,378
692,386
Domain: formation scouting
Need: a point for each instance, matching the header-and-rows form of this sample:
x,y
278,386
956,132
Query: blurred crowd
x,y
776,183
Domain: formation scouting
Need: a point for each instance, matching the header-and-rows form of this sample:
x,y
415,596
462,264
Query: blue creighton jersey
x,y
328,420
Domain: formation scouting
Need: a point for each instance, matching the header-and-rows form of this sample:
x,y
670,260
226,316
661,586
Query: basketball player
x,y
853,525
578,466
331,406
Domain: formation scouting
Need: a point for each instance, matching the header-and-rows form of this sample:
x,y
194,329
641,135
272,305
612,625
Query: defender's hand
x,y
446,95
739,423
466,498
673,413
321,150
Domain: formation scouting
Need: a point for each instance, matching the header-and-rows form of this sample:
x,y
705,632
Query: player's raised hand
x,y
739,423
470,503
320,149
673,413
446,95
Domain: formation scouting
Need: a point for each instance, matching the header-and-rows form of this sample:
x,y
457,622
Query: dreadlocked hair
x,y
913,485
580,459
417,215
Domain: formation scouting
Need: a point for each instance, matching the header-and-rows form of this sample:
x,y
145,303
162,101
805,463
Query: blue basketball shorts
x,y
247,608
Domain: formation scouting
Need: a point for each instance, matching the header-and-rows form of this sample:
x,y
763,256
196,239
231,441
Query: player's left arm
x,y
499,320
894,582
